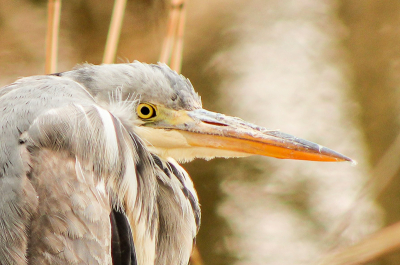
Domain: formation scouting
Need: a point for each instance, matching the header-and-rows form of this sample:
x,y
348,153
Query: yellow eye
x,y
146,111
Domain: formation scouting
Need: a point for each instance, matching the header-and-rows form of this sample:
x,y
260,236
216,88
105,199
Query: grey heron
x,y
88,171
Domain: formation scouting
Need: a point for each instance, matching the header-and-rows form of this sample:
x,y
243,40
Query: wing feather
x,y
179,213
103,154
67,163
71,226
20,103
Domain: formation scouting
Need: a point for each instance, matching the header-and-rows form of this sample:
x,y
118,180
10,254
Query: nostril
x,y
215,123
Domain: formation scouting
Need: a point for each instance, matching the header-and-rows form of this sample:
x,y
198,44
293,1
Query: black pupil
x,y
145,111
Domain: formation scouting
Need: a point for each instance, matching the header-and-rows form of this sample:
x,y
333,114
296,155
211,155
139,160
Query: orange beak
x,y
202,128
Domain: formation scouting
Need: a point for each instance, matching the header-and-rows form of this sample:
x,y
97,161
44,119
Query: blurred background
x,y
324,70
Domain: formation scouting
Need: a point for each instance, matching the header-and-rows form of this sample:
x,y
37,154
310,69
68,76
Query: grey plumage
x,y
151,82
69,154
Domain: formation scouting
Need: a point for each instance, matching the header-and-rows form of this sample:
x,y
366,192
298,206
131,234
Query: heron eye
x,y
146,111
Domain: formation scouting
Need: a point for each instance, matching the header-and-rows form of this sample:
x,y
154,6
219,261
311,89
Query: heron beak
x,y
204,129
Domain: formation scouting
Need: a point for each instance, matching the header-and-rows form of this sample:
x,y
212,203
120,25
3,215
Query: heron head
x,y
169,117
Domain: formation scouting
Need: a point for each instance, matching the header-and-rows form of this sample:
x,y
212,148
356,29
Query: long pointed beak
x,y
202,128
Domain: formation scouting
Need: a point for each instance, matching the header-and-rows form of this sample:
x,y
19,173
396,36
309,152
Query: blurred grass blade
x,y
385,170
176,57
53,26
171,51
169,39
114,31
382,242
